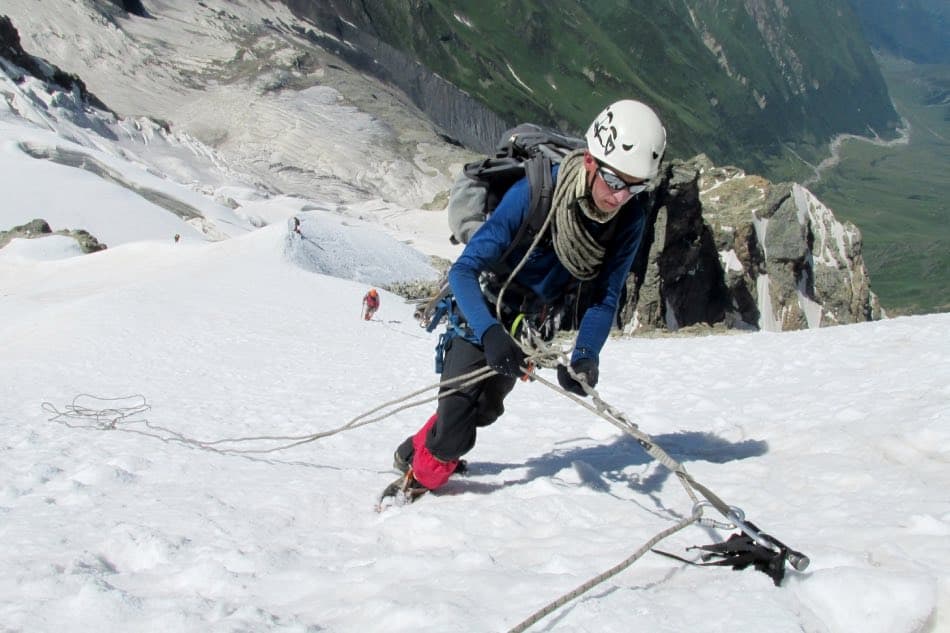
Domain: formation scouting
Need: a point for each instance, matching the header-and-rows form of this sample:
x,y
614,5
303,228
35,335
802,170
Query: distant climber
x,y
370,304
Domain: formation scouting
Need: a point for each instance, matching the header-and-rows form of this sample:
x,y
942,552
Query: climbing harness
x,y
446,309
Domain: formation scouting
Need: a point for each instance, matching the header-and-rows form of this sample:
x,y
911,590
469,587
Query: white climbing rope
x,y
80,414
77,415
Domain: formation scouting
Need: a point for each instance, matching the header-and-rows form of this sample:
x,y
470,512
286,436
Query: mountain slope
x,y
918,30
117,528
688,273
150,391
239,78
745,82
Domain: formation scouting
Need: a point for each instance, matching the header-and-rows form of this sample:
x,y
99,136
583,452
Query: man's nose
x,y
619,196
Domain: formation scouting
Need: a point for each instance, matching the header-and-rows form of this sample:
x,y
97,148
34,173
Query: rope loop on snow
x,y
76,415
102,418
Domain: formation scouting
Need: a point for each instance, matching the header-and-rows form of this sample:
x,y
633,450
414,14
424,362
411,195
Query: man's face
x,y
610,188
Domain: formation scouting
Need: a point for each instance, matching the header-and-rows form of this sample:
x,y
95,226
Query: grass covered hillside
x,y
918,30
749,83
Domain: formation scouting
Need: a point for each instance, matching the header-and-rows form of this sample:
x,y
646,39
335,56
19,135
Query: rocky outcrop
x,y
40,228
133,7
11,49
736,251
683,281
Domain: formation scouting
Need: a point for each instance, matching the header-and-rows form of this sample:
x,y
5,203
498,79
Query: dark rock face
x,y
135,7
693,287
736,251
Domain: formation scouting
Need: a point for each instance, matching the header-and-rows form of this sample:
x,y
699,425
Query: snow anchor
x,y
750,546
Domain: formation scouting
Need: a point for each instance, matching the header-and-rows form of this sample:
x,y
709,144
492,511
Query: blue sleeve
x,y
487,245
599,316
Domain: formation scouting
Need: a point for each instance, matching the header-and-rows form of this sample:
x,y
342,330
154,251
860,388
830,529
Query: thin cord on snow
x,y
101,418
76,415
593,582
461,382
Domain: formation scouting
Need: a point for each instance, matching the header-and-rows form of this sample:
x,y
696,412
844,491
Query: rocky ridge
x,y
724,249
736,250
40,228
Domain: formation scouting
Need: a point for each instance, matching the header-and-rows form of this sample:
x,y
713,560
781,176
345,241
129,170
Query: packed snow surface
x,y
152,391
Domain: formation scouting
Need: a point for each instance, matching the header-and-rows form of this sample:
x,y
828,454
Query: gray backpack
x,y
526,150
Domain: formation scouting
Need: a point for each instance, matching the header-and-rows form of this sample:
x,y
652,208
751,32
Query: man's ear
x,y
590,163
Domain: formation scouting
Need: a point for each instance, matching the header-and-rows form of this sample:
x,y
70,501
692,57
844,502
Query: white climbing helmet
x,y
629,137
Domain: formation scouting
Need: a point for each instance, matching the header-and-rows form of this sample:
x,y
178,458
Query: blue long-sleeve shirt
x,y
544,274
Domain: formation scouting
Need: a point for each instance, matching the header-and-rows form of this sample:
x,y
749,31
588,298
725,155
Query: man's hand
x,y
503,354
583,367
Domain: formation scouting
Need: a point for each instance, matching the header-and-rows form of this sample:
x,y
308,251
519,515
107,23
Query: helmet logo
x,y
606,134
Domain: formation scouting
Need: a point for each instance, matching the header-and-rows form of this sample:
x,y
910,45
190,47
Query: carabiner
x,y
713,523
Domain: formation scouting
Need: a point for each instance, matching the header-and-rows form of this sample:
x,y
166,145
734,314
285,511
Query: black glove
x,y
503,354
586,367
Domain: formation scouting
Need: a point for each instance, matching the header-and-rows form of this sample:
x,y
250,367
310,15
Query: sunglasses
x,y
616,183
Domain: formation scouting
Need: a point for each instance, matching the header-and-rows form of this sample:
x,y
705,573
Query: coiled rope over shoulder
x,y
576,248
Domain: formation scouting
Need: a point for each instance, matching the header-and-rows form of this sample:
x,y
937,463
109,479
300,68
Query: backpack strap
x,y
538,172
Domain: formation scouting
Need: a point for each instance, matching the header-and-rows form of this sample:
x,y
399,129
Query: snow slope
x,y
834,440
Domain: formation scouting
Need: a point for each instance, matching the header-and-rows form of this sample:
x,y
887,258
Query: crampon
x,y
402,491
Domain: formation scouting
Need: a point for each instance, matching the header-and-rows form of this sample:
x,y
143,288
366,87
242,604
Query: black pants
x,y
461,413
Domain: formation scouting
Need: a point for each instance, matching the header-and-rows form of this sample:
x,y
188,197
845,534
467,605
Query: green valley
x,y
899,195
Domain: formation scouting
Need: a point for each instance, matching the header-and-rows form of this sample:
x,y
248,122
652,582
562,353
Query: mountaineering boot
x,y
402,457
405,455
421,470
400,463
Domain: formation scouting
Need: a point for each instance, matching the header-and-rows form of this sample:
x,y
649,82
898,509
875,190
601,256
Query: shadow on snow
x,y
595,464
